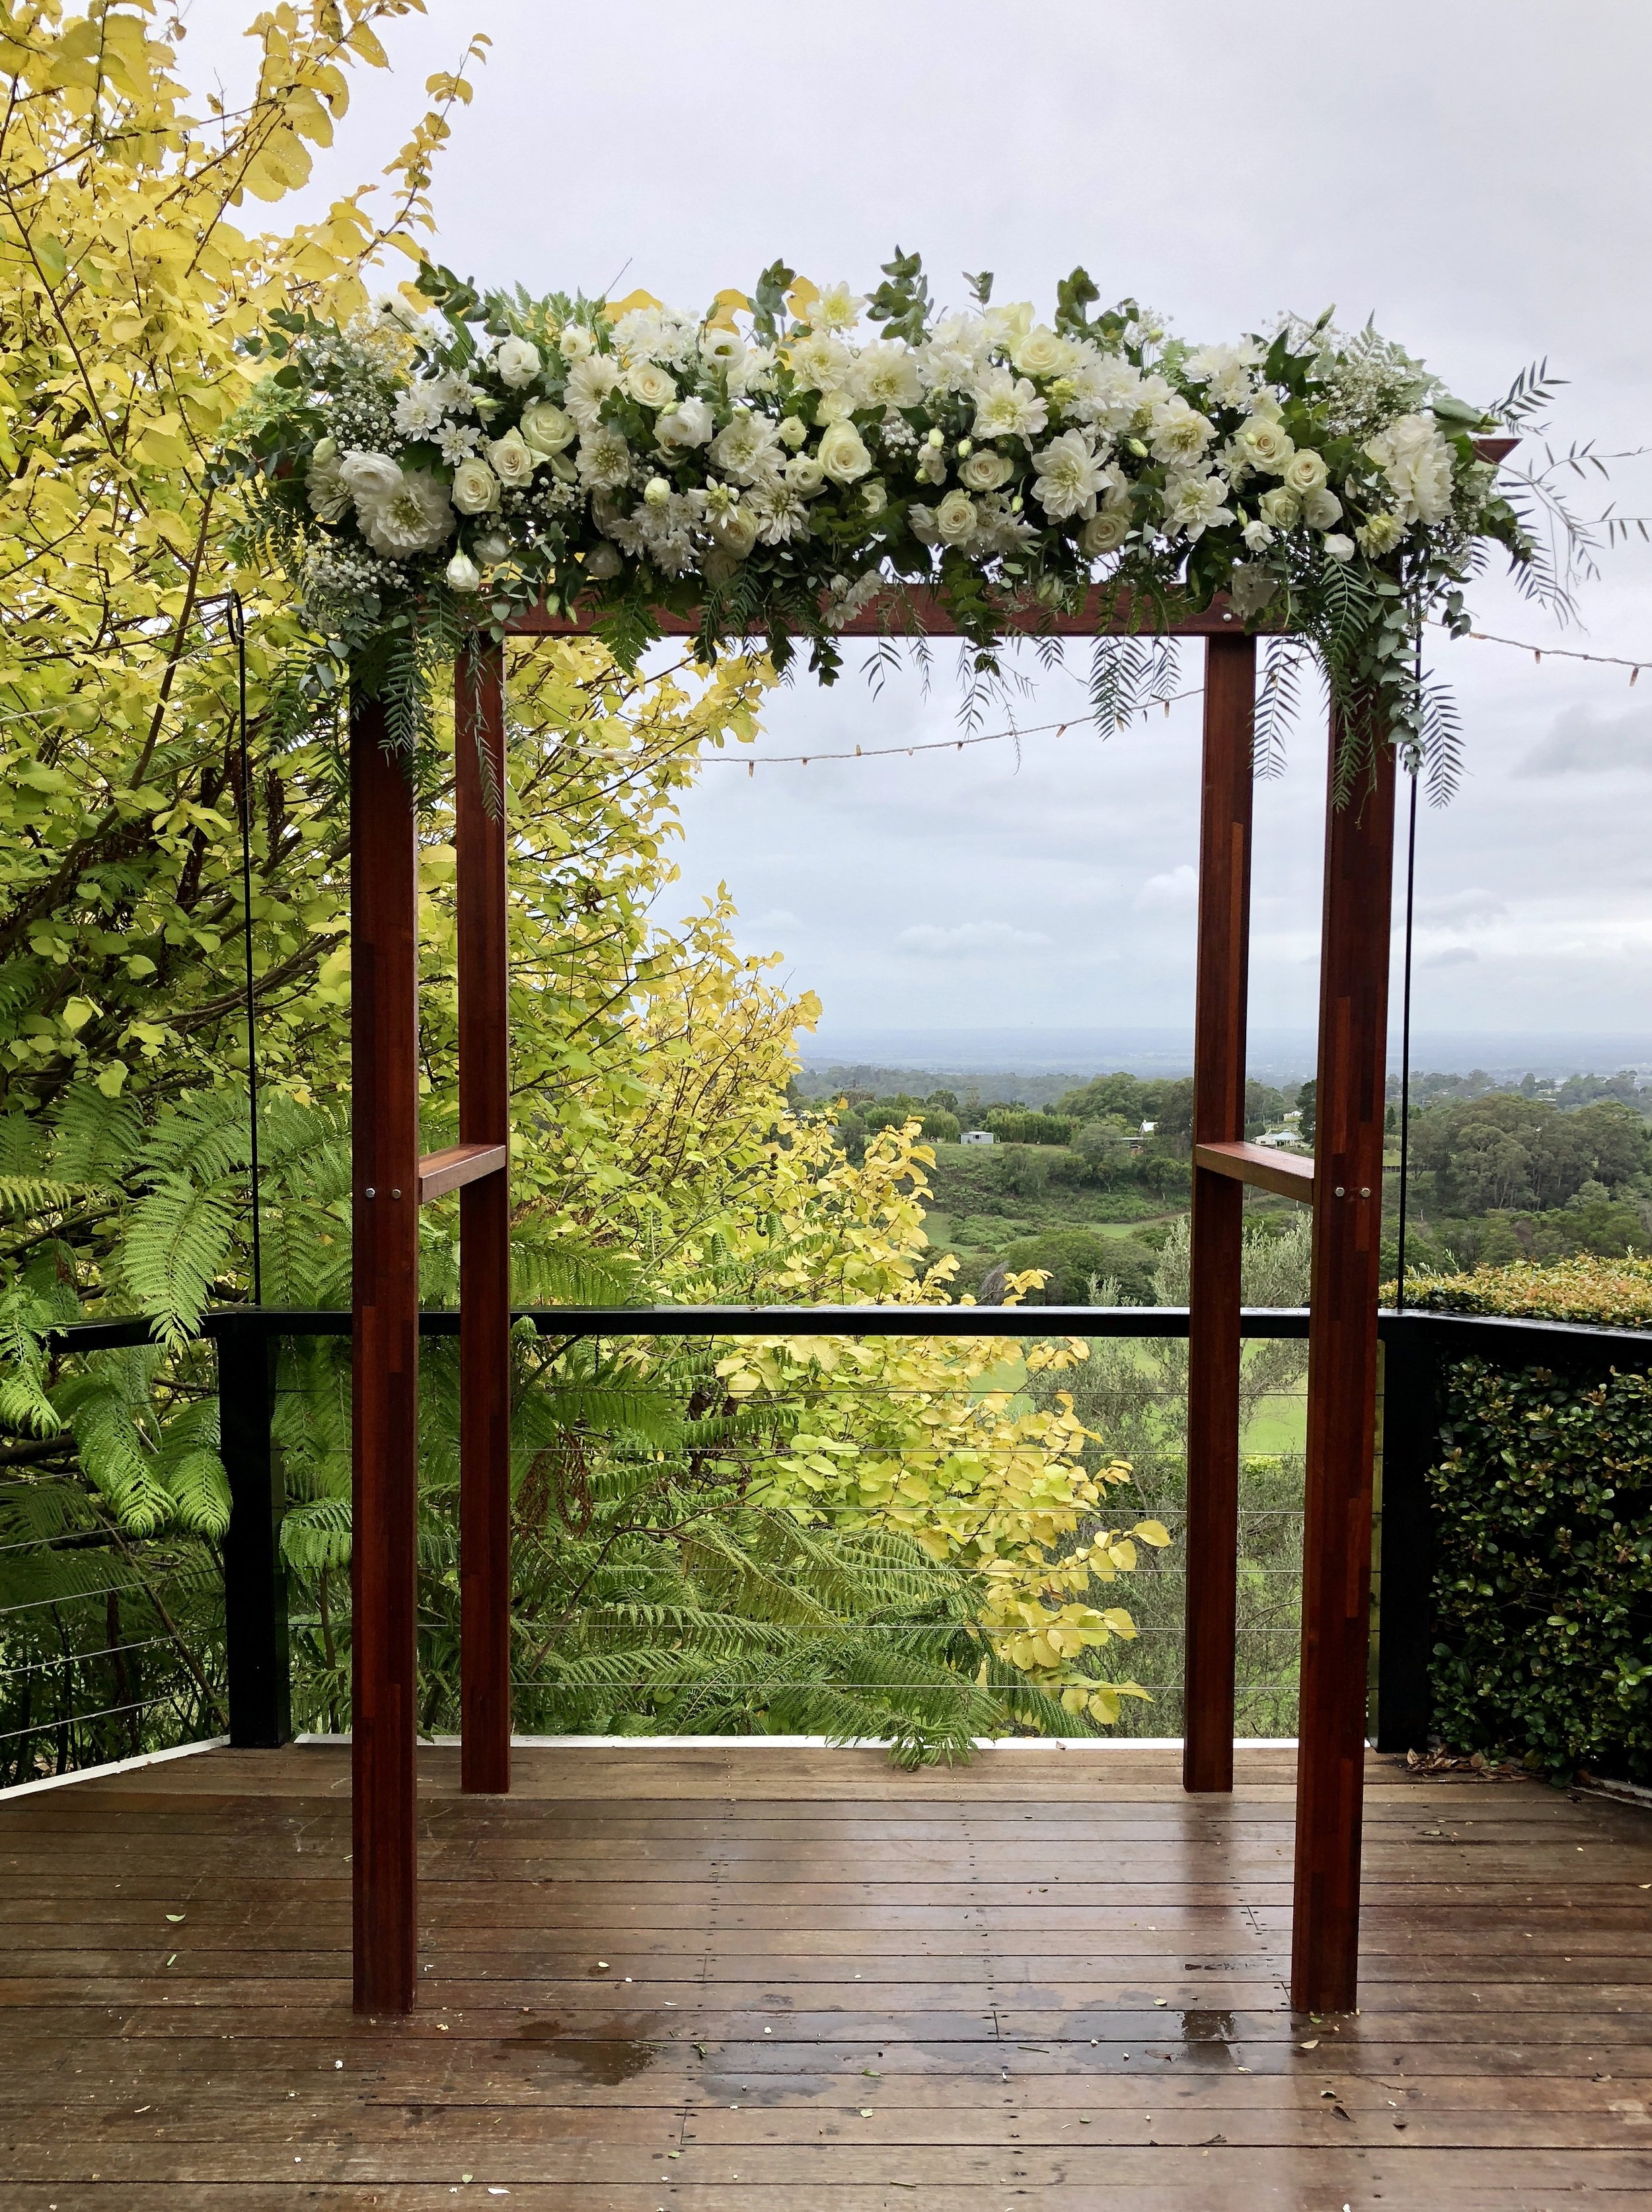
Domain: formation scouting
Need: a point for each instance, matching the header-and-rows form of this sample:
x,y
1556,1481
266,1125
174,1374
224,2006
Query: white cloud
x,y
1455,956
1178,888
1585,743
1466,909
966,938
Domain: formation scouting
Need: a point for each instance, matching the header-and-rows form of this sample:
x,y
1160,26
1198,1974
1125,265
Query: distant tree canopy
x,y
1506,1151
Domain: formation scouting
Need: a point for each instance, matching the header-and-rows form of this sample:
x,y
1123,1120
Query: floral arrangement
x,y
784,461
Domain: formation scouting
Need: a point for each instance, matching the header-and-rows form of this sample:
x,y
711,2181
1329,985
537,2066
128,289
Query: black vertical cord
x,y
1405,1026
237,619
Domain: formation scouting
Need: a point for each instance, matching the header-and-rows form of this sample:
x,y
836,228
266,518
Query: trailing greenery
x,y
1543,1584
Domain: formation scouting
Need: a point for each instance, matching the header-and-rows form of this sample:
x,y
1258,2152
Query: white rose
x,y
956,519
690,422
475,488
546,428
874,496
737,532
517,362
986,471
325,484
1320,509
649,386
833,406
1003,326
843,453
805,475
1304,471
1280,508
463,574
512,459
1104,533
1340,548
575,343
370,475
1041,353
1264,445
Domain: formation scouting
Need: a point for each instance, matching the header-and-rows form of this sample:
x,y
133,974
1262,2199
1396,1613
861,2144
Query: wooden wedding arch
x,y
1343,1185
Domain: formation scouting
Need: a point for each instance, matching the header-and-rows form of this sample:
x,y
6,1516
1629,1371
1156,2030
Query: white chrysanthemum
x,y
661,529
837,308
418,409
412,519
748,449
955,355
1180,432
1381,534
1194,502
1224,371
753,371
589,383
1007,406
324,482
1417,463
1106,389
603,458
886,375
820,362
1069,476
639,334
779,513
457,441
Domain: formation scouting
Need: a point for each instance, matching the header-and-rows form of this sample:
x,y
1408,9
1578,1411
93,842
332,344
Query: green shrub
x,y
1013,1125
1543,1583
1077,1258
1611,1293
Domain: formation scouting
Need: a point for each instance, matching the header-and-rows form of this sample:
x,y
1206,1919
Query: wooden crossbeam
x,y
1285,1173
441,1172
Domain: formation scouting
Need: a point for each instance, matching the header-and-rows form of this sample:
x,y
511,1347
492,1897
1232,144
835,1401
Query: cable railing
x,y
679,1568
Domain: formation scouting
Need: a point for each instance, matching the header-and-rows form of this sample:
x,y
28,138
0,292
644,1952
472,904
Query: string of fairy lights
x,y
1014,734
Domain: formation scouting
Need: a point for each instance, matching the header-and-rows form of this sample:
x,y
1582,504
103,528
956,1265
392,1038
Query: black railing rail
x,y
1417,1347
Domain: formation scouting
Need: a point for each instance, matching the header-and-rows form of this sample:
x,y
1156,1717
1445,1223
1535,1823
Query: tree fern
x,y
177,1243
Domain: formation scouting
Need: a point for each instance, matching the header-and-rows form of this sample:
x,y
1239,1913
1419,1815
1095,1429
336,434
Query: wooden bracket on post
x,y
1213,1352
477,1168
1349,1107
385,1371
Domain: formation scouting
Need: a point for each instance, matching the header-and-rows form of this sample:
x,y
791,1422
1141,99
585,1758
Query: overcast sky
x,y
1475,174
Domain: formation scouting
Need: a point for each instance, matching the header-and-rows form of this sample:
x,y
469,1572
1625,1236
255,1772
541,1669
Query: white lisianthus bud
x,y
936,440
956,519
475,488
1104,533
966,447
463,574
1258,537
492,546
1304,471
603,560
546,428
514,460
656,491
517,362
1340,548
1281,508
843,454
792,431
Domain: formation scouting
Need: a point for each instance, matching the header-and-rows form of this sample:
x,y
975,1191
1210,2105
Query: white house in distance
x,y
977,1137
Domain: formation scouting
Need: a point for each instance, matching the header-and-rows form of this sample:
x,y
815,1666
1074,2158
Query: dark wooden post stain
x,y
1212,1530
1342,1389
385,1338
484,1225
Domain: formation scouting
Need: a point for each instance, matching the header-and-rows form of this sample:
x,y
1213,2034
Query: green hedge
x,y
1543,1581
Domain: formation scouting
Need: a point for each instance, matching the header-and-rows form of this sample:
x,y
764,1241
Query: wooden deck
x,y
740,1979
